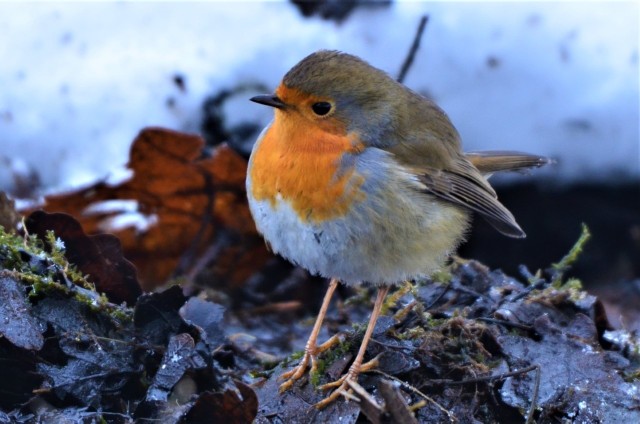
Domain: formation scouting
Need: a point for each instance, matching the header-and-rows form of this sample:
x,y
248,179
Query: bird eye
x,y
321,108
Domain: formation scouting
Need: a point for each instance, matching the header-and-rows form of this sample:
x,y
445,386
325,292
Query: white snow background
x,y
79,80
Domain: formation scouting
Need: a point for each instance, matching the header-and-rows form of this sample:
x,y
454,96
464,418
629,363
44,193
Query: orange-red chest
x,y
301,164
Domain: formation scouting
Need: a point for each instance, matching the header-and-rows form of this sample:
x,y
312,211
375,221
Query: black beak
x,y
269,100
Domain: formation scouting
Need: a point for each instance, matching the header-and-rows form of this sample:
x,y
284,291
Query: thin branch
x,y
485,379
506,323
415,390
534,397
414,49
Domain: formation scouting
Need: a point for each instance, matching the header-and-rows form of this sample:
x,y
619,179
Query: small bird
x,y
363,181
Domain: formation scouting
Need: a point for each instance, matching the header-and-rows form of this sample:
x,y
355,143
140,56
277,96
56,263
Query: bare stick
x,y
487,378
414,48
534,397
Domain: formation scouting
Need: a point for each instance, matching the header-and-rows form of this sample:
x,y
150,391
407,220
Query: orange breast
x,y
300,163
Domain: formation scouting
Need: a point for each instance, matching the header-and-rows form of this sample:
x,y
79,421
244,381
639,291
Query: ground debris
x,y
479,347
77,357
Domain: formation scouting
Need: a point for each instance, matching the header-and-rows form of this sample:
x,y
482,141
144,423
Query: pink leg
x,y
357,366
312,350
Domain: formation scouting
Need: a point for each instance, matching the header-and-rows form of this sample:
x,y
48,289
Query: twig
x,y
368,404
534,396
437,299
486,378
189,256
223,239
491,378
402,313
395,403
506,323
414,48
415,390
538,285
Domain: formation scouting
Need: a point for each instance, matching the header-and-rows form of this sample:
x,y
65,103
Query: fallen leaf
x,y
99,256
179,357
179,211
226,407
577,375
208,316
17,324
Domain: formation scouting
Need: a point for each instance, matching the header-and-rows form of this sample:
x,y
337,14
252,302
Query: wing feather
x,y
466,187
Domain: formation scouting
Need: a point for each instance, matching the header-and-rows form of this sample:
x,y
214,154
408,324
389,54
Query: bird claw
x,y
310,354
344,383
343,390
296,373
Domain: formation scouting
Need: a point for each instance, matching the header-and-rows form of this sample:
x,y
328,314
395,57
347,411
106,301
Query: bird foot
x,y
343,384
310,355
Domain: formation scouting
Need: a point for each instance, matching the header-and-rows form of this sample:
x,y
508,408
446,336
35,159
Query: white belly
x,y
393,235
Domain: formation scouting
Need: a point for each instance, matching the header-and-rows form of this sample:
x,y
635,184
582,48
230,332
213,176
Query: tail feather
x,y
489,162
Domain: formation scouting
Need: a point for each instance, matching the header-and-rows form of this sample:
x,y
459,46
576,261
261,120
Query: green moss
x,y
432,322
480,358
570,258
572,283
296,355
633,377
359,327
46,275
413,333
314,375
574,287
392,299
266,373
442,276
362,296
326,359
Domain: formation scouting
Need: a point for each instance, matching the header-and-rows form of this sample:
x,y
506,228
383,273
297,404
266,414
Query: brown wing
x,y
463,185
430,148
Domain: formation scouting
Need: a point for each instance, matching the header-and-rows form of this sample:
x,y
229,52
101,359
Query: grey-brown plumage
x,y
361,180
388,115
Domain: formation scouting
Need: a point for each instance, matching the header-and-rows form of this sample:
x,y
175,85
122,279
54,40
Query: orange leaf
x,y
177,206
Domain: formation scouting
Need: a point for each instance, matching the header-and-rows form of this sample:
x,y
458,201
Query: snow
x,y
79,80
123,214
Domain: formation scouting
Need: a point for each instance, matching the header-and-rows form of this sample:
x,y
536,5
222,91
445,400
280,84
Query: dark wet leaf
x,y
18,377
17,324
95,363
160,411
98,256
397,362
71,415
74,319
228,407
208,316
87,382
156,315
180,356
577,376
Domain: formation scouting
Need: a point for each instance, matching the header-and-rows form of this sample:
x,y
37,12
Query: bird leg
x,y
357,367
312,350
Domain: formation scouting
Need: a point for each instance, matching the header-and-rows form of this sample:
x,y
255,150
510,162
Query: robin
x,y
363,181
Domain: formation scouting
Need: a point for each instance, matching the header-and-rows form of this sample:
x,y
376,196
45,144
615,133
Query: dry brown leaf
x,y
192,204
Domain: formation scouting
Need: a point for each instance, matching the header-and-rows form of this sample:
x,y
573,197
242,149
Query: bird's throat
x,y
302,165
